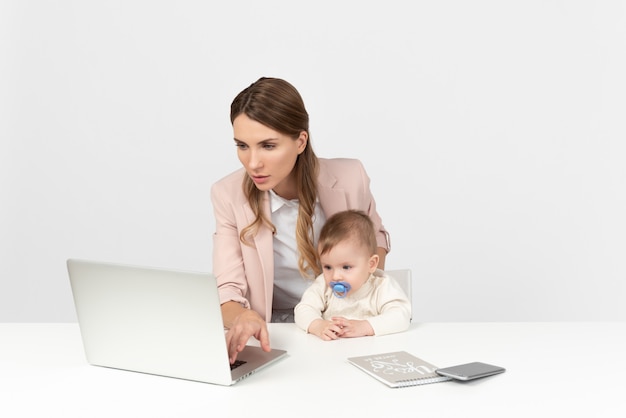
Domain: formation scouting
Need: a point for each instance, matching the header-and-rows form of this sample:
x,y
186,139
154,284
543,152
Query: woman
x,y
269,213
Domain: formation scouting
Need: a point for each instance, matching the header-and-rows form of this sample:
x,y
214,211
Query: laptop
x,y
157,321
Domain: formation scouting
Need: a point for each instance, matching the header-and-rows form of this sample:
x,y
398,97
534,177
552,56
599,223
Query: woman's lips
x,y
260,179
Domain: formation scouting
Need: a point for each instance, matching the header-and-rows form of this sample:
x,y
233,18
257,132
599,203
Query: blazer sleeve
x,y
344,184
369,203
228,265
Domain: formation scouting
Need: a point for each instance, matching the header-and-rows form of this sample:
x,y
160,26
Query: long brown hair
x,y
277,104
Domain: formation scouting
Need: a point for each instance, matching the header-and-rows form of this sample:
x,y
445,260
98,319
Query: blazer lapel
x,y
264,244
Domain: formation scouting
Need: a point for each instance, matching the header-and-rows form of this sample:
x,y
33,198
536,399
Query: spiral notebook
x,y
398,369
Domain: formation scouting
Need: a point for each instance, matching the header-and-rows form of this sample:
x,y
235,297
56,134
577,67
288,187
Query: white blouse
x,y
289,285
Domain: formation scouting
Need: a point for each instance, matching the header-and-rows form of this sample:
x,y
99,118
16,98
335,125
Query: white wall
x,y
494,133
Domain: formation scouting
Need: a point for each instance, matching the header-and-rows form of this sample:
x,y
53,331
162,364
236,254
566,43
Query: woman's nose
x,y
254,160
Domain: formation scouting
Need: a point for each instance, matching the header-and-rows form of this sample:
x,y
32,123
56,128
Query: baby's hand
x,y
326,330
352,327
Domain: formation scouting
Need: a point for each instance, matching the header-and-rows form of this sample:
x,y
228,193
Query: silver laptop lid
x,y
151,320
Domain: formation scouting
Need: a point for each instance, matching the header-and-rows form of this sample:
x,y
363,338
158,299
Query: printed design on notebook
x,y
398,369
382,364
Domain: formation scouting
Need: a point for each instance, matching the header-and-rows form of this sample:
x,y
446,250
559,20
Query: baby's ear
x,y
373,263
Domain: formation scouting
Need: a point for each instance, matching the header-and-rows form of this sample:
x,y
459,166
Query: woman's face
x,y
268,156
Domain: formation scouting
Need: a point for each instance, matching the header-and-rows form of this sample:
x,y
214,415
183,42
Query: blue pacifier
x,y
340,289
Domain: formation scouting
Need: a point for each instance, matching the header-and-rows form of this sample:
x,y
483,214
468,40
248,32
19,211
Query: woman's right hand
x,y
247,323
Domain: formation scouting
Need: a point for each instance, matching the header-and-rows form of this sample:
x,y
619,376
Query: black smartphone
x,y
470,371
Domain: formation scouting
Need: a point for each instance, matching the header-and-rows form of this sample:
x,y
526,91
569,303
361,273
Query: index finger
x,y
235,342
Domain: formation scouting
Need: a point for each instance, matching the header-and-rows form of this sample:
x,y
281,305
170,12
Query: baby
x,y
352,297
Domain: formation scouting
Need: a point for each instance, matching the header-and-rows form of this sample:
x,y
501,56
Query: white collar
x,y
277,202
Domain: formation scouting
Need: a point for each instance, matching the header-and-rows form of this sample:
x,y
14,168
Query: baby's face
x,y
349,263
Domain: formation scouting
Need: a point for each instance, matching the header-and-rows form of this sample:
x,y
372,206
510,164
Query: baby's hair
x,y
348,225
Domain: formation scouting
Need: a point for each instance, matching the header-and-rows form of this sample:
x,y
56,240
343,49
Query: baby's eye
x,y
326,267
347,267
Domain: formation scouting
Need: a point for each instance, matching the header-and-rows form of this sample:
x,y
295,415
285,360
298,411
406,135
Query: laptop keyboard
x,y
236,364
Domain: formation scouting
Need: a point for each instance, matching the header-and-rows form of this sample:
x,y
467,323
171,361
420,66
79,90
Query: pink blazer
x,y
245,274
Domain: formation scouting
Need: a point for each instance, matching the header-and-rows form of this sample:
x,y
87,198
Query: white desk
x,y
553,369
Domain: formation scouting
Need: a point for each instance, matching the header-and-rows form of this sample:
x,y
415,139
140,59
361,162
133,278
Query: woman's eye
x,y
269,146
241,145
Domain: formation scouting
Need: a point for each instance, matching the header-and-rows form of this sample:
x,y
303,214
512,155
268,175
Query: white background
x,y
494,134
